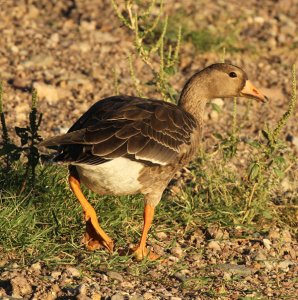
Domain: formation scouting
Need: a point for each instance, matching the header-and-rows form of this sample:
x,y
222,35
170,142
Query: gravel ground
x,y
215,264
68,51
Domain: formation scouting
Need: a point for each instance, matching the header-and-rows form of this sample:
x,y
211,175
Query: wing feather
x,y
142,129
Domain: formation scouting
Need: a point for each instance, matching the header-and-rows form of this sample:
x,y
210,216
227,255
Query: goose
x,y
127,145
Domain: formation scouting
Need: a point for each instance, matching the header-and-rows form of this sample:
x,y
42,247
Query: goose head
x,y
217,81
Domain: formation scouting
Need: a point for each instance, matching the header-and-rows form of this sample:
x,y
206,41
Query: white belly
x,y
118,176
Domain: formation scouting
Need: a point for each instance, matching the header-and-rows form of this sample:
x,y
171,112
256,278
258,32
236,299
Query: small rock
x,y
259,20
284,265
286,236
268,265
15,266
56,274
20,286
214,245
214,115
3,262
84,47
161,235
39,60
227,276
82,289
273,93
21,83
73,272
96,296
154,274
147,296
295,141
286,186
36,267
136,297
218,101
260,256
217,233
88,26
127,285
177,251
117,297
53,40
173,258
267,244
274,234
82,297
33,12
239,270
180,276
49,92
115,275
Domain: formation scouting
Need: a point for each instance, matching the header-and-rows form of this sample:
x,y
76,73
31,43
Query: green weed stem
x,y
282,122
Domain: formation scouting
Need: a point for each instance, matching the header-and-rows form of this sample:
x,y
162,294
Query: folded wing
x,y
141,129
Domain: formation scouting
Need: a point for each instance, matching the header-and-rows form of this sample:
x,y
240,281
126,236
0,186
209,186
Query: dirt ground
x,y
70,50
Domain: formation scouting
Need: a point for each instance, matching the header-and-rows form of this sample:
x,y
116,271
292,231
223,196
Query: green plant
x,y
9,151
141,23
244,195
29,138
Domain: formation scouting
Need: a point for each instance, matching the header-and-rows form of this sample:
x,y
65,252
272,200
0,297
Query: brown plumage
x,y
128,145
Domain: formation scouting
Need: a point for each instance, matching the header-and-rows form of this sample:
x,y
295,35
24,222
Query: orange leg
x,y
141,251
95,237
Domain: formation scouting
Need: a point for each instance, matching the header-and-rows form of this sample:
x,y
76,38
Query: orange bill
x,y
251,92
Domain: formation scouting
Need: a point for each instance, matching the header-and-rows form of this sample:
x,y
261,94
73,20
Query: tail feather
x,y
75,137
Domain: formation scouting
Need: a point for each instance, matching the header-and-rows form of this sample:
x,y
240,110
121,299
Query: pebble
x,y
214,245
267,244
268,265
117,297
36,267
177,251
214,115
217,233
136,297
56,274
240,270
284,265
127,285
218,101
96,296
46,91
161,235
286,236
3,262
20,286
260,256
115,275
21,82
39,60
74,272
147,296
274,234
180,276
173,258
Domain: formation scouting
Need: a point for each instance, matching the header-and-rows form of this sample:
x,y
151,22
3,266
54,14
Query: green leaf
x,y
254,144
279,160
218,136
254,171
171,70
279,173
216,107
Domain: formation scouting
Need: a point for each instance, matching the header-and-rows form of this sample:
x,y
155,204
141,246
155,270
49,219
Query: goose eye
x,y
233,74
